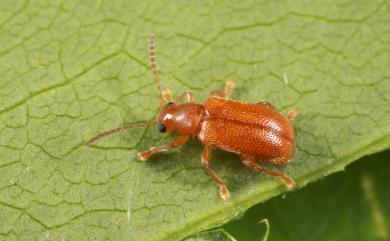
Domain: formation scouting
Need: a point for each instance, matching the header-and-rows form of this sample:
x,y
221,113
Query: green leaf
x,y
346,206
70,70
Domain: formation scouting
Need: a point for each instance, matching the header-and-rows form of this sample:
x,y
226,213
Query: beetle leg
x,y
292,114
268,104
228,89
250,161
206,161
175,143
189,96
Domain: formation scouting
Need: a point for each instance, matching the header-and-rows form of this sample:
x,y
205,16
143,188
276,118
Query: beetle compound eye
x,y
161,127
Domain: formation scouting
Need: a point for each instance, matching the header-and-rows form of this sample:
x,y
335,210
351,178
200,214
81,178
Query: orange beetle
x,y
256,132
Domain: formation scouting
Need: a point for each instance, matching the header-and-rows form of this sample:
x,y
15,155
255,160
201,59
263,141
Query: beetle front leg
x,y
250,161
206,161
177,142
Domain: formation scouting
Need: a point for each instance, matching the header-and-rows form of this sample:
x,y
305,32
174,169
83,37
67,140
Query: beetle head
x,y
165,118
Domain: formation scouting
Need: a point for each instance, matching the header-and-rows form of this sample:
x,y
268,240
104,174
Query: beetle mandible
x,y
256,132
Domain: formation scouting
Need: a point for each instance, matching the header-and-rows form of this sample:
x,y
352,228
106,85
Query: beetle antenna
x,y
153,67
118,129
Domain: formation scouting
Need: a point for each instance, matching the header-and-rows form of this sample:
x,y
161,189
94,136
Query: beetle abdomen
x,y
254,129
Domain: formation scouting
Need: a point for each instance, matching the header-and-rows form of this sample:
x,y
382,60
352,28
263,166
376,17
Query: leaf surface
x,y
71,69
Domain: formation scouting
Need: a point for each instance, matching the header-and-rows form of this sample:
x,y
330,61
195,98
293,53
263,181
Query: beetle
x,y
258,133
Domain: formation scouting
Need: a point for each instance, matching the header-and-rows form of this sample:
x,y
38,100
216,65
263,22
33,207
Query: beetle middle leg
x,y
206,161
175,143
250,161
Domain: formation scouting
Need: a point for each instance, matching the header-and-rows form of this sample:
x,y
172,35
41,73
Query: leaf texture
x,y
71,69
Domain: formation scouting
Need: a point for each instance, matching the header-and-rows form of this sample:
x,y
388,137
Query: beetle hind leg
x,y
250,161
206,161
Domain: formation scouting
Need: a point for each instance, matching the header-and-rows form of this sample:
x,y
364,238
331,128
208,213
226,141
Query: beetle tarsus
x,y
224,192
290,183
143,156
